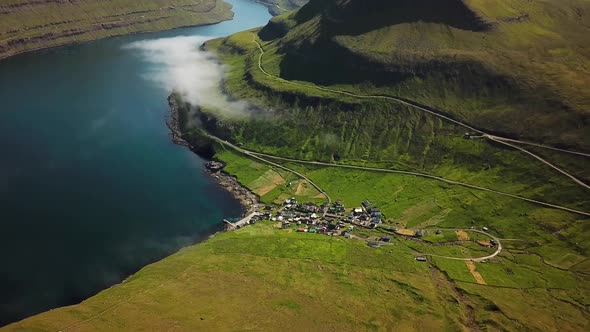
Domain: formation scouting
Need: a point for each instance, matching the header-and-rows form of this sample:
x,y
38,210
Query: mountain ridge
x,y
24,29
518,66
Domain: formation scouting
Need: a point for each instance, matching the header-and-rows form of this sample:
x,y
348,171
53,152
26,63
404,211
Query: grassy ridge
x,y
312,282
315,125
523,73
30,25
444,65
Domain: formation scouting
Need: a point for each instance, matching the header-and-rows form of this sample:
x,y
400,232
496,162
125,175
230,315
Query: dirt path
x,y
502,141
480,280
544,146
300,188
475,259
259,156
497,139
268,162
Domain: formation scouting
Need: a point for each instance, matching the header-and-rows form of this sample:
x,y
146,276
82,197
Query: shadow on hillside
x,y
356,17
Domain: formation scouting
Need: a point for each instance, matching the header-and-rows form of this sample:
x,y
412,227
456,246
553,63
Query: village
x,y
331,219
336,220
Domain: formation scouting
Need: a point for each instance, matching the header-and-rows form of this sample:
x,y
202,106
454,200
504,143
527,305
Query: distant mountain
x,y
34,24
520,68
277,7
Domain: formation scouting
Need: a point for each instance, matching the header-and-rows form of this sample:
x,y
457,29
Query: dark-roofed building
x,y
309,207
366,204
374,210
386,238
287,214
377,214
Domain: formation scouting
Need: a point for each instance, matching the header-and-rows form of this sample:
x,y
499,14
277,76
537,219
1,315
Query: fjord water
x,y
91,187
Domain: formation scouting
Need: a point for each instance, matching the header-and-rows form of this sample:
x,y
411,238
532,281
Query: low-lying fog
x,y
180,66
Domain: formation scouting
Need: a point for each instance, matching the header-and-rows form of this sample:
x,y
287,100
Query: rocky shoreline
x,y
173,122
247,199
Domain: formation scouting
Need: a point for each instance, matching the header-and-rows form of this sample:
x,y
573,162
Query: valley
x,y
418,166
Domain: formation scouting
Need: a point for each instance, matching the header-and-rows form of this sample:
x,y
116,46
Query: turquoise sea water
x,y
91,187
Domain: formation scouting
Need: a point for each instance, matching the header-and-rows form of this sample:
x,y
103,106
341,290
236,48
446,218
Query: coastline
x,y
7,53
248,200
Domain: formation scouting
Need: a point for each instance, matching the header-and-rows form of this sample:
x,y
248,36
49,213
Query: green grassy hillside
x,y
30,25
495,65
329,43
262,278
514,67
498,66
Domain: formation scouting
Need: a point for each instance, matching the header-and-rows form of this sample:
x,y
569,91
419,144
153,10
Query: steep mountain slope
x,y
505,68
514,67
34,24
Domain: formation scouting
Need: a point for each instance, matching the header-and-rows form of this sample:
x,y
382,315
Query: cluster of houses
x,y
335,220
331,219
366,215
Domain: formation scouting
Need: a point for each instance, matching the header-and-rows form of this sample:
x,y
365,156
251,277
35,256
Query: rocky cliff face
x,y
27,25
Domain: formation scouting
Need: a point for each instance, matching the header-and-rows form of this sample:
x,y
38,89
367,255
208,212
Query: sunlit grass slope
x,y
29,25
263,278
309,46
514,67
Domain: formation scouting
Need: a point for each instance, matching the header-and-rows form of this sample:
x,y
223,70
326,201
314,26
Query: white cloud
x,y
180,66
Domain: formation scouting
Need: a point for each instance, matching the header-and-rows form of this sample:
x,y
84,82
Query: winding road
x,y
497,139
255,156
261,156
477,259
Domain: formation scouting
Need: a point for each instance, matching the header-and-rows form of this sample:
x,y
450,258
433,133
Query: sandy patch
x,y
485,243
267,182
406,232
471,266
268,188
462,235
301,187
